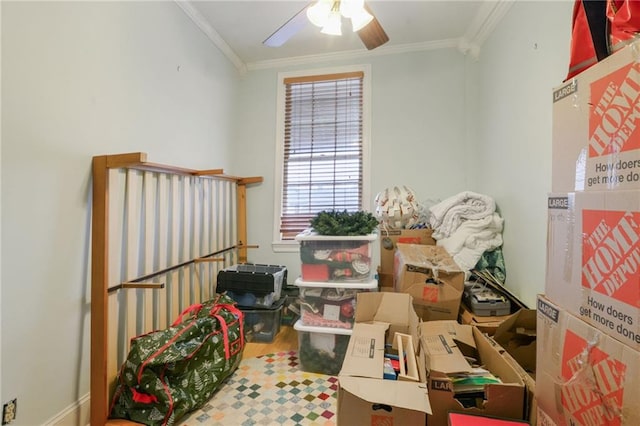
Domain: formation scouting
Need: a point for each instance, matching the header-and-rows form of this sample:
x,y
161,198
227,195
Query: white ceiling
x,y
238,28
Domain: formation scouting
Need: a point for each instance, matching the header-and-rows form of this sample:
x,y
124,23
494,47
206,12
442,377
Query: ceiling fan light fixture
x,y
327,14
333,24
348,8
318,14
360,19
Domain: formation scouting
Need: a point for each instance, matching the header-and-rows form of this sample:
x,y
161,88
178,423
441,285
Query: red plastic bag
x,y
599,28
624,19
589,35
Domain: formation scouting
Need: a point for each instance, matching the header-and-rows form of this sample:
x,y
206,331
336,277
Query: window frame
x,y
278,244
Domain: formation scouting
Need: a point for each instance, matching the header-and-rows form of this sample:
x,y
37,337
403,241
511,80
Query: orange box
x,y
583,377
431,276
389,239
596,127
593,259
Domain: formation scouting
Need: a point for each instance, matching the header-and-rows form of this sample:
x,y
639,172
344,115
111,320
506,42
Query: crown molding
x,y
212,34
350,54
490,14
483,24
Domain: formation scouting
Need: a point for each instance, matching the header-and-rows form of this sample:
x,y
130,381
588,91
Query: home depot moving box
x,y
446,345
432,277
389,239
364,397
593,259
583,376
596,126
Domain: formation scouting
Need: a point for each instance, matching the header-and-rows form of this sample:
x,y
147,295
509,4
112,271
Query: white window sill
x,y
285,246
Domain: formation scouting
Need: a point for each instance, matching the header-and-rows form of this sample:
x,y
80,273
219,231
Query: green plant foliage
x,y
344,223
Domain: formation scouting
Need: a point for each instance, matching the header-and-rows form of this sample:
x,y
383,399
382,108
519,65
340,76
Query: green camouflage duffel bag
x,y
169,373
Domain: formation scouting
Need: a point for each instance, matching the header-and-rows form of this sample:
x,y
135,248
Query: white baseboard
x,y
76,414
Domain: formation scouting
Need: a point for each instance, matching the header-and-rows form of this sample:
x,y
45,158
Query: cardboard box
x,y
516,339
596,127
517,335
583,377
431,276
385,281
389,239
531,406
446,344
364,397
593,258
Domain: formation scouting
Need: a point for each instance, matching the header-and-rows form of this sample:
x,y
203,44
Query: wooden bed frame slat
x,y
172,227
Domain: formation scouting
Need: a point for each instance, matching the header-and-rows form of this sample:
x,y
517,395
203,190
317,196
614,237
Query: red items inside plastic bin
x,y
315,272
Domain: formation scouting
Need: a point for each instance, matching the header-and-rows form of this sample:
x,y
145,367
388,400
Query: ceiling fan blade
x,y
373,34
288,29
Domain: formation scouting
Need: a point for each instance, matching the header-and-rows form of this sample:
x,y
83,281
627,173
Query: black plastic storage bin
x,y
291,308
252,284
262,325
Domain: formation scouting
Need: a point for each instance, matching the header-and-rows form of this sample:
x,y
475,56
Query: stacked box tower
x,y
334,270
257,289
588,319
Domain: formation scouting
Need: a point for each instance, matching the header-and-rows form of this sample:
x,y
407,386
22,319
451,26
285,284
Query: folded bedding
x,y
447,216
472,238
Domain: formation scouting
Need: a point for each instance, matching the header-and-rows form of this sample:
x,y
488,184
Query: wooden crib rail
x,y
204,230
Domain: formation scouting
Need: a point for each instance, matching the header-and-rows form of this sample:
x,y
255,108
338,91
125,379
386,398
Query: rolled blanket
x,y
447,215
472,238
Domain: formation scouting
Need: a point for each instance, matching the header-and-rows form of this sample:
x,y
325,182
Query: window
x,y
323,147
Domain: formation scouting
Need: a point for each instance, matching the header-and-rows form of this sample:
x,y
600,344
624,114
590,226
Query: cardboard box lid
x,y
406,395
365,352
440,340
435,258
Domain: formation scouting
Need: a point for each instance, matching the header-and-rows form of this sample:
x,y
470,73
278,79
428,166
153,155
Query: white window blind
x,y
322,165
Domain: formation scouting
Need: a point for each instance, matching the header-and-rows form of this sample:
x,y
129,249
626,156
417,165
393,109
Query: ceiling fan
x,y
328,15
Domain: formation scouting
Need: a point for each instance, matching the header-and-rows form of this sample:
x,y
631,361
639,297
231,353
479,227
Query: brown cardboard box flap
x,y
383,307
362,390
435,258
517,335
394,309
450,329
389,240
522,322
440,340
432,278
405,395
365,352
